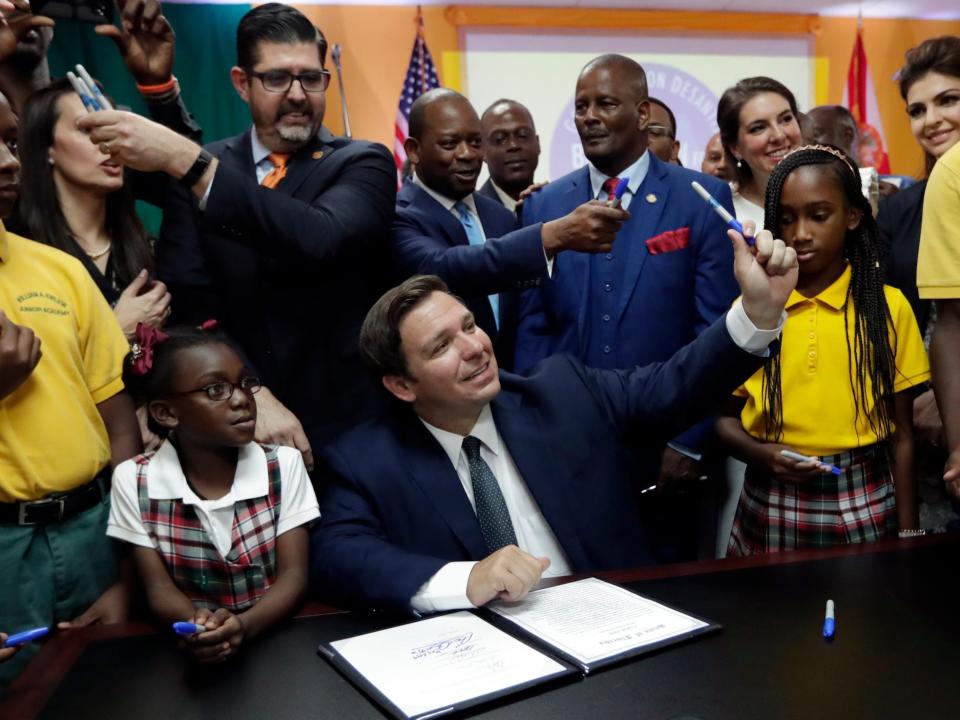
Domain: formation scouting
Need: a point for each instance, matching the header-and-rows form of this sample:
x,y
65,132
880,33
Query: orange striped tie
x,y
279,171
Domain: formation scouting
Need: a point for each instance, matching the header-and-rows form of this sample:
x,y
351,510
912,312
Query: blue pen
x,y
88,102
187,628
97,96
829,621
26,636
806,458
619,191
729,219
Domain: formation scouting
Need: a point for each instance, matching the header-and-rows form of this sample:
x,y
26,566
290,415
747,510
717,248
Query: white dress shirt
x,y
636,172
508,202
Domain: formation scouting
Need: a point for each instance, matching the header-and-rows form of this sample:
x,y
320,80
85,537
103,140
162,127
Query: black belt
x,y
57,507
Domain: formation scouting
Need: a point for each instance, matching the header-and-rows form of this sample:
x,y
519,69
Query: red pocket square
x,y
669,241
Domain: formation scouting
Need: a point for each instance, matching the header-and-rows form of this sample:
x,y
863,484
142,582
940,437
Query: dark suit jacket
x,y
394,511
487,191
428,239
291,272
899,221
632,306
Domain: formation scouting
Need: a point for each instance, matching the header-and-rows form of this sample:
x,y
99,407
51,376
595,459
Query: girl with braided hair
x,y
836,391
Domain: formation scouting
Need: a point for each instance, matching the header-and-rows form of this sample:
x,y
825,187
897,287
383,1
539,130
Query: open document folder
x,y
450,662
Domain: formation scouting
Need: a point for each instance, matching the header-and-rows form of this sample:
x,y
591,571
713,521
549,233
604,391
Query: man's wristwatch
x,y
196,170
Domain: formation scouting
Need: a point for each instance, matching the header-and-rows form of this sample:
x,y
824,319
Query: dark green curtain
x,y
206,50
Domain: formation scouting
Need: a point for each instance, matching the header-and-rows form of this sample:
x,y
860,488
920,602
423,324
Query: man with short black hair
x,y
279,233
443,227
511,148
479,481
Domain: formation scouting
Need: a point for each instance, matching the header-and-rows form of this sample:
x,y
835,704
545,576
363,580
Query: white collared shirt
x,y
508,202
166,481
534,534
636,172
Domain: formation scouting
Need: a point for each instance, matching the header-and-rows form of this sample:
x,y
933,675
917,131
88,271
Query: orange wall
x,y
377,41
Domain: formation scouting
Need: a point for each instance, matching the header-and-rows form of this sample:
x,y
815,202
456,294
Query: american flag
x,y
421,76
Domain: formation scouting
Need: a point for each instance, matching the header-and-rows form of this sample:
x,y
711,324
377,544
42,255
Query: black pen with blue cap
x,y
729,219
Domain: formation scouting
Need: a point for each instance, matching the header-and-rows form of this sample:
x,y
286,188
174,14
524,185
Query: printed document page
x,y
591,620
434,664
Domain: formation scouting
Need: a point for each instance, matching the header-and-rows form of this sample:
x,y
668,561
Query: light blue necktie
x,y
475,237
492,510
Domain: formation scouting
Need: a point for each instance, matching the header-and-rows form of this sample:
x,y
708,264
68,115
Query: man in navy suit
x,y
481,481
666,279
442,227
511,149
280,232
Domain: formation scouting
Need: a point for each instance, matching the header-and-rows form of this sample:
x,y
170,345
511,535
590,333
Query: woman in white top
x,y
758,127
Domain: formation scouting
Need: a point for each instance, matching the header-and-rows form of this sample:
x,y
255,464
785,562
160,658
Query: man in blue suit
x,y
481,481
442,227
666,279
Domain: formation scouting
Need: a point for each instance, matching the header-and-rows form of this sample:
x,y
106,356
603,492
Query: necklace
x,y
97,255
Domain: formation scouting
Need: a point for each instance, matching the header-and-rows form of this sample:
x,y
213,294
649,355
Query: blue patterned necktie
x,y
491,507
475,237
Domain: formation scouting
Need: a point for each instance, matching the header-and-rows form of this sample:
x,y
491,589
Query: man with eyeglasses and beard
x,y
279,233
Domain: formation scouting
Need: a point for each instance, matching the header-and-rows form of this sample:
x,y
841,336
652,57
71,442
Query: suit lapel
x,y
429,467
523,431
305,161
238,154
643,223
576,265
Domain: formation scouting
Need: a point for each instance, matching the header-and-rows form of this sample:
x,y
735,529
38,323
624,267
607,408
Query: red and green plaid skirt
x,y
854,507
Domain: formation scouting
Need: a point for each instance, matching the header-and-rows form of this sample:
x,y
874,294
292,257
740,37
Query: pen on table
x,y
88,102
26,636
94,89
619,191
720,210
829,621
806,458
188,628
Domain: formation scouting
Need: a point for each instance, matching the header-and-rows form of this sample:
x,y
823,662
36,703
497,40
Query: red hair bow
x,y
209,325
142,349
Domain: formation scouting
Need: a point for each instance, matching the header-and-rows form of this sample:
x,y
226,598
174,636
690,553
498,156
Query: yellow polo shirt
x,y
819,416
52,437
938,264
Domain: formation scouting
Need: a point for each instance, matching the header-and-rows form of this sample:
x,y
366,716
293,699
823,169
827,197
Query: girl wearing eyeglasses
x,y
218,522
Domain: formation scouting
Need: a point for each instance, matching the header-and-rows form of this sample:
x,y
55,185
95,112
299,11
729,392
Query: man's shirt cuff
x,y
446,590
748,336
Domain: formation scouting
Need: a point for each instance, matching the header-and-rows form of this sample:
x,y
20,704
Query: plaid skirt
x,y
854,507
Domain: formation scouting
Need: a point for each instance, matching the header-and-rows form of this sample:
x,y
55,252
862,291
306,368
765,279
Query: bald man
x,y
665,280
715,160
442,227
834,125
511,149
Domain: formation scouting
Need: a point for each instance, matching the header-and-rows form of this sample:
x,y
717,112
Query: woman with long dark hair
x,y
759,125
73,198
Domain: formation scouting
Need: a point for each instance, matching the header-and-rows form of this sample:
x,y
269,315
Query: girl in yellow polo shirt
x,y
837,390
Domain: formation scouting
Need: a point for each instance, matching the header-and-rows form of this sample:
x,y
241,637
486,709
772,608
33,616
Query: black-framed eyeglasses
x,y
223,390
658,130
280,81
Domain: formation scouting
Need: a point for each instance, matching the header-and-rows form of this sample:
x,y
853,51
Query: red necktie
x,y
609,187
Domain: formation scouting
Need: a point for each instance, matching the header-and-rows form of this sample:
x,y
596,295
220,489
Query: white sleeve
x,y
298,502
125,522
748,336
446,590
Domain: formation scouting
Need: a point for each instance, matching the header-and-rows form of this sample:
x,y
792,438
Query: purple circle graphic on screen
x,y
693,103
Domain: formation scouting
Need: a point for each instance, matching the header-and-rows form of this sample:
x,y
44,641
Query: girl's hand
x,y
774,463
138,304
221,641
951,474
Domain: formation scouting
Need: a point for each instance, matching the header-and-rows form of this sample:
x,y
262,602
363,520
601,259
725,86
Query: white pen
x,y
806,458
720,210
94,89
88,102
